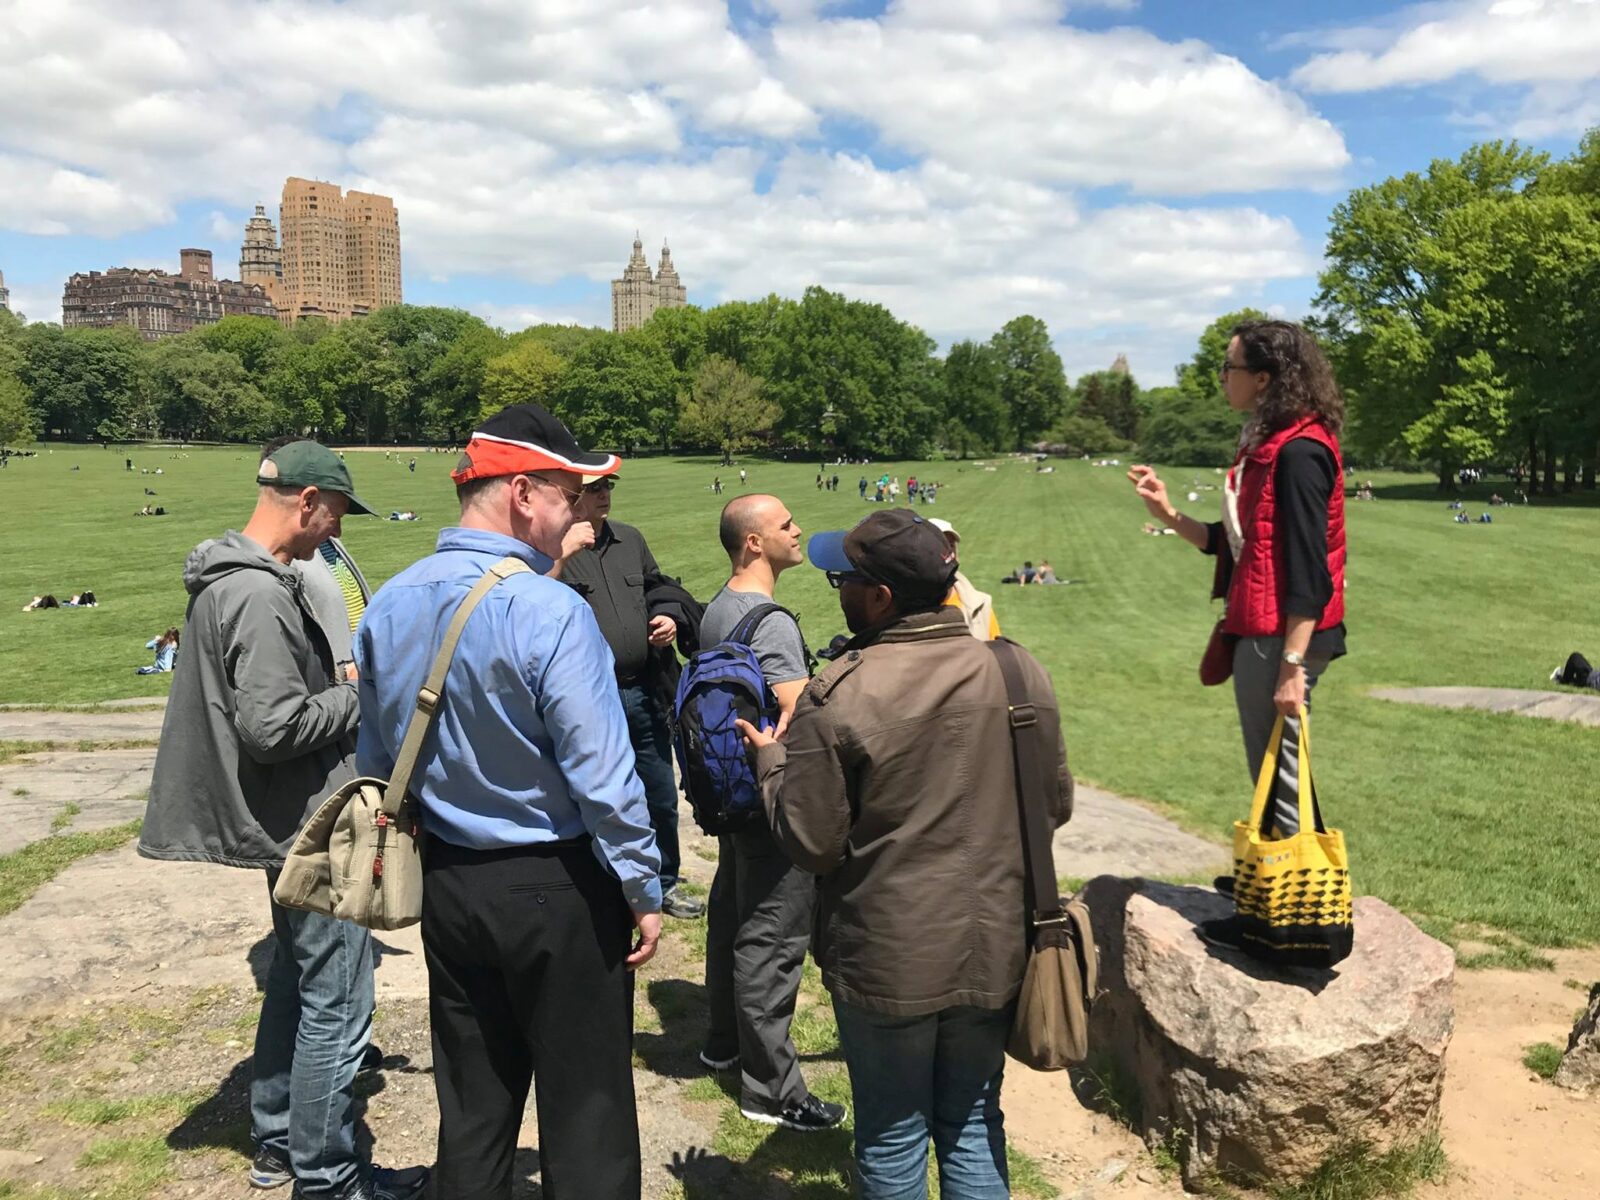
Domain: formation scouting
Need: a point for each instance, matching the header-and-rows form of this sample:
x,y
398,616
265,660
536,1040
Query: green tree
x,y
85,383
255,341
1401,297
1033,382
205,394
975,409
17,421
726,407
1181,427
610,388
527,372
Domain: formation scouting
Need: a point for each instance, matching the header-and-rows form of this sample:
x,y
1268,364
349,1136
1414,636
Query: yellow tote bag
x,y
1292,894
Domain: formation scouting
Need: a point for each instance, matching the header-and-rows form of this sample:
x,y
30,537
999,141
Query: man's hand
x,y
579,537
1291,694
662,630
351,674
757,738
649,926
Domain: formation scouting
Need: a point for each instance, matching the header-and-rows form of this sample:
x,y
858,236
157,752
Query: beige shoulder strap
x,y
433,688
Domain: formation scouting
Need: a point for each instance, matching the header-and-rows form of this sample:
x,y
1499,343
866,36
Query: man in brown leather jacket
x,y
894,784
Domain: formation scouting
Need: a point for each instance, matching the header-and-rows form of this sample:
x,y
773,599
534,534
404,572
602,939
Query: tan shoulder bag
x,y
359,857
1051,1029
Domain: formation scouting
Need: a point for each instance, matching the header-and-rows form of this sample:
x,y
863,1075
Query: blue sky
x,y
1124,170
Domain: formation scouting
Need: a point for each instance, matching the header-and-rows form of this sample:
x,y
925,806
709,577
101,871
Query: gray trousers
x,y
758,925
1255,678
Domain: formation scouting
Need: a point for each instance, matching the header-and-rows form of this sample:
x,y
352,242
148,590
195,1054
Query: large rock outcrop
x,y
1580,1065
1247,1070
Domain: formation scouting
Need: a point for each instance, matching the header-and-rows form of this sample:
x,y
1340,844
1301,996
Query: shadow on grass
x,y
222,1120
681,1007
1475,494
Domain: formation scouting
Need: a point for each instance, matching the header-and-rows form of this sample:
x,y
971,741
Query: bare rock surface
x,y
107,786
35,725
1579,708
1580,1065
1109,835
1260,1072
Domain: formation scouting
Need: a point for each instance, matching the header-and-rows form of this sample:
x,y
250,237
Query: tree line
x,y
1461,307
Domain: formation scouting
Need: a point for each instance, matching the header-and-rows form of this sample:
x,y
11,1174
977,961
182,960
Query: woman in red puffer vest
x,y
1280,545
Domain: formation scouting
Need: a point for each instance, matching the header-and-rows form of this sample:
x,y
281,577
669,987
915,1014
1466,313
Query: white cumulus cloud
x,y
1546,51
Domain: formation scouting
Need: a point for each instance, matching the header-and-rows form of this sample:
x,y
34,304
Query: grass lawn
x,y
1459,816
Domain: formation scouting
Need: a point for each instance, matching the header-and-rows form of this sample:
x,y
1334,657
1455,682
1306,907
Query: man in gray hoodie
x,y
259,730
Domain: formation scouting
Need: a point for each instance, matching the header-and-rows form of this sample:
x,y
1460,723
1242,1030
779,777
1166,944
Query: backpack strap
x,y
432,690
1033,784
746,628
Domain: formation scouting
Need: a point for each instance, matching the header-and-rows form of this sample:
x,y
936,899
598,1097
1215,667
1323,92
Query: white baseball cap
x,y
944,526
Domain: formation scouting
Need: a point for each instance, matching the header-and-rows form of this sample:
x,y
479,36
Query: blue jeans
x,y
912,1078
316,1019
652,754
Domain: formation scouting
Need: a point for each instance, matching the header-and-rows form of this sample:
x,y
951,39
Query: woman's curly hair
x,y
1302,383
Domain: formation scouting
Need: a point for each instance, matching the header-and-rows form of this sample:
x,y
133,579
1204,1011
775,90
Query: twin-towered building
x,y
636,296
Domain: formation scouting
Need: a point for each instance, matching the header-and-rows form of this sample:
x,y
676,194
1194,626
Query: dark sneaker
x,y
379,1183
270,1168
718,1064
680,904
811,1115
371,1058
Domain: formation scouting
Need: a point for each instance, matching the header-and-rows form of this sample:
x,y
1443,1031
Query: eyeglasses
x,y
1222,371
837,578
599,485
572,497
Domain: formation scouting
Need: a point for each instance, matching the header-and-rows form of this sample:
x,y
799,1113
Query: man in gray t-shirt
x,y
776,640
759,916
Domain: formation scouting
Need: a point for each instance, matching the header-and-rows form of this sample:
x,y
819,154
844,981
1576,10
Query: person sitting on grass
x,y
166,648
82,600
45,601
1047,573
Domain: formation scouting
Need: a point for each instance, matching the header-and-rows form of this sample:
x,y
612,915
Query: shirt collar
x,y
486,541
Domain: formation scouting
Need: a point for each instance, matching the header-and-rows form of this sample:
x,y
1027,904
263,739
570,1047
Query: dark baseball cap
x,y
310,464
526,437
896,548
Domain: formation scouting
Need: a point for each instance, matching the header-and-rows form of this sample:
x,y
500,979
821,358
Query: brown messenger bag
x,y
359,857
1051,1029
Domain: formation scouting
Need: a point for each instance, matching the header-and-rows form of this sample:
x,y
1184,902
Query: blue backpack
x,y
720,684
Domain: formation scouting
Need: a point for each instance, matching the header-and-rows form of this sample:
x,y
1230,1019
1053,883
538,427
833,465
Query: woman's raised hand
x,y
1153,492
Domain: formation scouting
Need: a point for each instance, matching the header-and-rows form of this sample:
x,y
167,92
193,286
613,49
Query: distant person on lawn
x,y
908,813
1280,546
166,647
259,730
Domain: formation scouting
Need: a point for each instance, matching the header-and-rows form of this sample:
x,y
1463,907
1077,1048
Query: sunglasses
x,y
837,578
599,485
572,497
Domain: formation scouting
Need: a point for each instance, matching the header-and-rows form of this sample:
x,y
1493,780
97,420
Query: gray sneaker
x,y
680,904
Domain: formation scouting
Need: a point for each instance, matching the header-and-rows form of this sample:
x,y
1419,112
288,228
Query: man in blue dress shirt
x,y
540,860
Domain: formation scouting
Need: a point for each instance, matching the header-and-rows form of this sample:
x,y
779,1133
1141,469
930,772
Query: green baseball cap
x,y
310,464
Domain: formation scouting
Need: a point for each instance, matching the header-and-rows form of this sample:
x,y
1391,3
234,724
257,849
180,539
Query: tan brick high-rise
x,y
341,253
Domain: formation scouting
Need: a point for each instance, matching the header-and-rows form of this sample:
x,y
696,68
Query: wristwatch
x,y
1294,658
